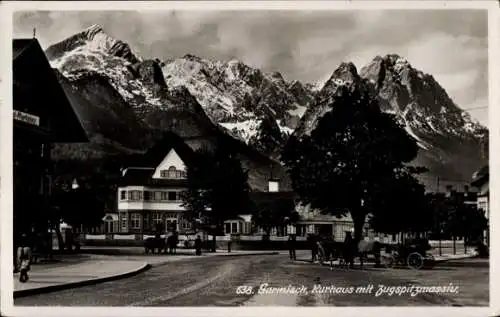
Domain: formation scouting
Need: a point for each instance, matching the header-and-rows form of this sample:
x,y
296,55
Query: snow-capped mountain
x,y
449,139
125,104
240,98
125,101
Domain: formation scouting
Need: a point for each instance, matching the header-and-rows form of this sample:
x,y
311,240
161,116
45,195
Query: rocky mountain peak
x,y
193,58
92,30
92,39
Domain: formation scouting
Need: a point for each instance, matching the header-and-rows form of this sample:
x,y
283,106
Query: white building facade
x,y
149,197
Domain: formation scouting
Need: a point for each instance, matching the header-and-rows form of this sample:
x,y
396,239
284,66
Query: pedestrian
x,y
314,247
24,259
291,247
175,241
197,245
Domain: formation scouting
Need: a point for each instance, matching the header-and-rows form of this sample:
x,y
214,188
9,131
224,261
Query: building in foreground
x,y
481,180
42,116
149,193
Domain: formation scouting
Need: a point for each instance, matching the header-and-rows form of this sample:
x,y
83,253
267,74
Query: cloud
x,y
308,46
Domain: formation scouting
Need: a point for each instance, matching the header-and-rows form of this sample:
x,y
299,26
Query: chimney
x,y
273,185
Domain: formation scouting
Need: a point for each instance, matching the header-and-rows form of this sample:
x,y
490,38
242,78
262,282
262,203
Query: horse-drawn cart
x,y
412,254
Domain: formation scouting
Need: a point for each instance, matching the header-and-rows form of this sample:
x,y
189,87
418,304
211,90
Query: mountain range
x,y
125,102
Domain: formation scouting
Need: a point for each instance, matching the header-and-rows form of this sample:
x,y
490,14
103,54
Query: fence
x,y
257,243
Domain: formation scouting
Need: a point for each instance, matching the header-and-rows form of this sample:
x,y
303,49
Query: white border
x,y
6,9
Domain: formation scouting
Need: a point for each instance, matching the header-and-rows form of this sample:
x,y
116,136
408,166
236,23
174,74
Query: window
x,y
147,195
171,225
234,227
157,218
172,196
186,224
228,228
123,194
124,222
157,195
248,227
164,196
135,195
172,172
135,221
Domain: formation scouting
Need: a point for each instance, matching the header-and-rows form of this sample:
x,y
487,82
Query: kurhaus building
x,y
149,193
42,116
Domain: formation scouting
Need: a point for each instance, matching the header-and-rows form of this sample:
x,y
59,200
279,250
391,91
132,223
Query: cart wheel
x,y
391,262
415,261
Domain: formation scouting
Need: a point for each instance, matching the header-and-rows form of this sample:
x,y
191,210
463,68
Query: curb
x,y
59,287
457,258
248,254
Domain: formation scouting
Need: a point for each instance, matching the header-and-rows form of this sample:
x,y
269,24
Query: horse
x,y
345,252
152,244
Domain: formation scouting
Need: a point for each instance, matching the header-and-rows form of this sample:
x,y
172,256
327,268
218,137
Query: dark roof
x,y
155,155
264,197
38,91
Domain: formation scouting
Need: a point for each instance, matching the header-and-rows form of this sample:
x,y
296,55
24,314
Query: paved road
x,y
212,281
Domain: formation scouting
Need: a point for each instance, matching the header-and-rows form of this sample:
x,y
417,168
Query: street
x,y
213,281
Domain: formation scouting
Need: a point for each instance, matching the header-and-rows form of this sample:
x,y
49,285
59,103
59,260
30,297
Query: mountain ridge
x,y
261,109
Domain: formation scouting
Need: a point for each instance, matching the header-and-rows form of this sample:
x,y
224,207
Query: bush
x,y
482,250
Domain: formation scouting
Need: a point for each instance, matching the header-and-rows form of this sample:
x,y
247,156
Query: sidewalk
x,y
98,268
52,278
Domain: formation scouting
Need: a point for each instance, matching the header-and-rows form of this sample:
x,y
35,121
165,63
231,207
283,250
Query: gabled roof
x,y
38,91
144,165
155,155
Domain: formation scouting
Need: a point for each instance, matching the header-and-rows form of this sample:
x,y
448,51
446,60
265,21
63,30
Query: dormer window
x,y
172,173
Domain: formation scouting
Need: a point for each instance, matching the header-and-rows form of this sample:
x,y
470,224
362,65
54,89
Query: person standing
x,y
24,259
314,247
291,247
197,245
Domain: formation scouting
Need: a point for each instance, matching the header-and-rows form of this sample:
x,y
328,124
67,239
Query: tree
x,y
275,213
80,207
464,220
404,203
354,151
217,188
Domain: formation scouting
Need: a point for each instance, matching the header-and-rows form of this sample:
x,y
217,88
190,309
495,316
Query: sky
x,y
302,45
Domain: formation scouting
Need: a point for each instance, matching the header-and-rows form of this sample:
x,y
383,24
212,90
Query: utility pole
x,y
34,33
